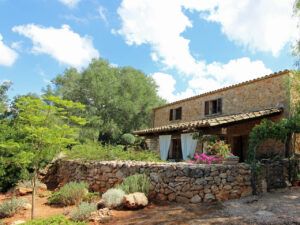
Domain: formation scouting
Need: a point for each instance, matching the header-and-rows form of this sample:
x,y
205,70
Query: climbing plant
x,y
267,129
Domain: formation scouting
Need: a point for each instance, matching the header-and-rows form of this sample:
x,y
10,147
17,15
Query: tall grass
x,y
110,152
136,183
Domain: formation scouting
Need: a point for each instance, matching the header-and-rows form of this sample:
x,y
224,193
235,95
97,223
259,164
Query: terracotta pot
x,y
230,161
296,183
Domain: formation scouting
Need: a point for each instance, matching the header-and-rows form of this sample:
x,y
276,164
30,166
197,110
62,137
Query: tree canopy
x,y
118,99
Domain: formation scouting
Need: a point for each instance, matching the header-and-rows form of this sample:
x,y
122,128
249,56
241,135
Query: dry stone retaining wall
x,y
180,182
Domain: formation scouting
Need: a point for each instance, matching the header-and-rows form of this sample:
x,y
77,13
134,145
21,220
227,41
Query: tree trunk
x,y
253,182
33,197
287,154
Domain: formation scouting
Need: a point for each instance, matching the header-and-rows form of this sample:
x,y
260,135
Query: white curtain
x,y
188,146
164,145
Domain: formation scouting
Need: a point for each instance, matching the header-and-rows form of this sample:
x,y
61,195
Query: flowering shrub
x,y
219,147
206,159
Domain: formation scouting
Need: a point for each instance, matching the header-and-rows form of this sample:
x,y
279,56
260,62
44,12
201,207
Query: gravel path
x,y
277,207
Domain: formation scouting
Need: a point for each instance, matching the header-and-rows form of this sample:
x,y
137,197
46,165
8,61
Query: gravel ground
x,y
277,207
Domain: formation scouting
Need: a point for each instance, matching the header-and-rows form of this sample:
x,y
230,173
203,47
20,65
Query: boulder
x,y
23,191
100,204
101,216
135,200
27,206
18,222
42,187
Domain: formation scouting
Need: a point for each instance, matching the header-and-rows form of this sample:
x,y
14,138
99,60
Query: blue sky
x,y
187,46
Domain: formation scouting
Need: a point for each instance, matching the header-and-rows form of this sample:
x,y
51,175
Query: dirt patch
x,y
277,207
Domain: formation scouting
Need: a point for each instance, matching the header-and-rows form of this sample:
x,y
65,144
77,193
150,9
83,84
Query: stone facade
x,y
250,96
262,93
180,182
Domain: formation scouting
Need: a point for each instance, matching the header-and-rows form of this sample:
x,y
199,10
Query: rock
x,y
222,196
246,192
43,187
101,216
195,199
18,222
223,175
264,213
209,197
100,204
161,197
227,187
96,187
135,200
182,199
171,197
23,191
154,177
188,194
27,206
85,191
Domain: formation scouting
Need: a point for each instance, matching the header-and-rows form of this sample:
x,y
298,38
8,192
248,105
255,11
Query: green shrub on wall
x,y
94,151
136,183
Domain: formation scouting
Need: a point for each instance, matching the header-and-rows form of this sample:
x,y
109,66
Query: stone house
x,y
229,112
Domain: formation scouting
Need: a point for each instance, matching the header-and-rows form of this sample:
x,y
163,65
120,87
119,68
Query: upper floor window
x,y
213,107
175,114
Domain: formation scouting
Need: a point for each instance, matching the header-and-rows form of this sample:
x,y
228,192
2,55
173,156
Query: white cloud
x,y
102,13
76,19
235,71
45,77
70,3
62,44
166,87
265,25
7,55
17,45
159,23
217,75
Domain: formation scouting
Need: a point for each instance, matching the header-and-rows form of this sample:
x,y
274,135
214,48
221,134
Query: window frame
x,y
209,107
174,113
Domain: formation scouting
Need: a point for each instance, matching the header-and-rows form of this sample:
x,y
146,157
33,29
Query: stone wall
x,y
180,182
255,95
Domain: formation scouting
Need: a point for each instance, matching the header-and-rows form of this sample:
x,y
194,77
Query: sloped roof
x,y
211,121
226,88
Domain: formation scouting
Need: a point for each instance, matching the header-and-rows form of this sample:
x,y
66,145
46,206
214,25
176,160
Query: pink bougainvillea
x,y
206,159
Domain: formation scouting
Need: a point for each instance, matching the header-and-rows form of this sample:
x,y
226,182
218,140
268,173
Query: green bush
x,y
136,183
94,151
113,197
127,139
10,208
83,212
70,194
90,197
53,220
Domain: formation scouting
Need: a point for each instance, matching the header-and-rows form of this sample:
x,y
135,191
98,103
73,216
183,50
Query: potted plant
x,y
231,159
296,182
